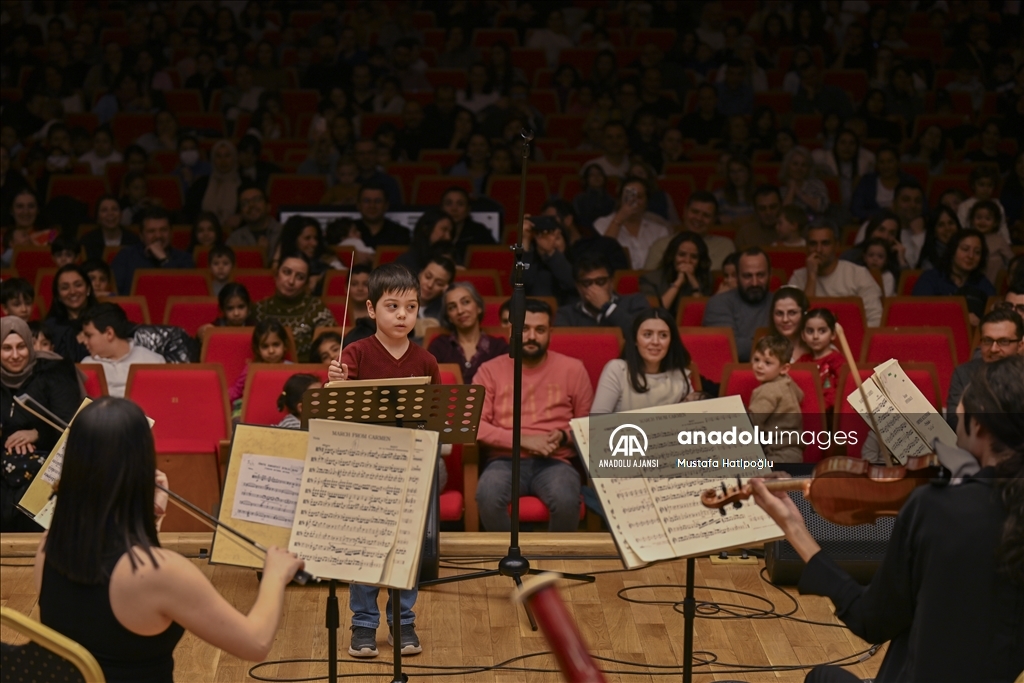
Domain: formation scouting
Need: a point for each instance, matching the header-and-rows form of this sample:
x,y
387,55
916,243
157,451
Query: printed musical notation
x,y
51,475
896,431
660,516
267,490
351,496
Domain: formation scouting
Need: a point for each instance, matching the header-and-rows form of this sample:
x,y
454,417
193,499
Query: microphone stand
x,y
514,565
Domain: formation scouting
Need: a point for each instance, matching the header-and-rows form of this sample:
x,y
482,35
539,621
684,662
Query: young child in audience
x,y
291,398
985,217
100,276
235,308
269,342
16,298
326,347
64,251
790,227
359,292
876,259
819,333
394,301
40,342
775,405
729,276
222,263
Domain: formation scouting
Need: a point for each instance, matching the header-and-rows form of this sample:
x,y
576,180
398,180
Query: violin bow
x,y
39,410
301,577
855,371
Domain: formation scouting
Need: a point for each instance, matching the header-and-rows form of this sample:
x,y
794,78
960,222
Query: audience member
x,y
153,251
433,280
789,306
556,389
984,181
939,230
599,304
221,262
985,217
1002,336
325,348
615,160
375,229
101,277
217,192
582,238
548,271
654,369
191,165
827,276
206,233
748,306
877,190
799,184
465,230
52,382
775,404
631,225
107,335
818,332
102,152
700,214
254,224
685,271
706,123
961,272
816,97
593,201
293,305
17,298
252,170
760,229
847,160
269,345
735,199
290,400
466,345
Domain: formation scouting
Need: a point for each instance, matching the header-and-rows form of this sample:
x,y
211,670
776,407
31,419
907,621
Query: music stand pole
x,y
333,622
689,616
396,634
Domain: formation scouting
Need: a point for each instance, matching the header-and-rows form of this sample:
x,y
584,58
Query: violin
x,y
846,491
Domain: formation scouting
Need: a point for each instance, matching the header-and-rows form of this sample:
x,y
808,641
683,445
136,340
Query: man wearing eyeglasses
x,y
599,304
1002,336
1015,297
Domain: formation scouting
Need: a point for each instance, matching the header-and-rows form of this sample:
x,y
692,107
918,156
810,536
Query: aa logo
x,y
626,441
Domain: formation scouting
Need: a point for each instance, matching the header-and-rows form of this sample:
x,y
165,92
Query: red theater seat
x,y
264,385
595,346
157,284
95,379
176,395
135,307
951,311
712,348
191,312
259,282
917,344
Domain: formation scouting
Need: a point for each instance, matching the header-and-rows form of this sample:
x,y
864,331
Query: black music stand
x,y
453,411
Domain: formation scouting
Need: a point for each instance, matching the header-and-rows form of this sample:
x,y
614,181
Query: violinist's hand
x,y
785,513
337,372
281,566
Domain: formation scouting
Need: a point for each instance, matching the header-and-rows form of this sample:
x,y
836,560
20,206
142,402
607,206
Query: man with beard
x,y
556,389
745,308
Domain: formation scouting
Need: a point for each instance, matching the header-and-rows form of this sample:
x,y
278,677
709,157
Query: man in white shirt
x,y
827,276
615,161
635,230
106,329
700,214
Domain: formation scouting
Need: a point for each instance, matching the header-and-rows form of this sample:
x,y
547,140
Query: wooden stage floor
x,y
474,623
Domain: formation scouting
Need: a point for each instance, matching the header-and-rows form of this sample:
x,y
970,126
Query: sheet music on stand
x,y
659,516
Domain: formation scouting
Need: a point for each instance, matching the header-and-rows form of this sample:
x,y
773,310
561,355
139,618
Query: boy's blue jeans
x,y
362,600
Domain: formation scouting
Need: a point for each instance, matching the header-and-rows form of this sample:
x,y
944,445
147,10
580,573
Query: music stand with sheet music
x,y
453,411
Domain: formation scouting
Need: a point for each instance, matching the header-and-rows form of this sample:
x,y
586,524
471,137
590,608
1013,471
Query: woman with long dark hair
x,y
940,228
685,271
105,582
954,563
961,272
789,305
72,296
433,227
652,371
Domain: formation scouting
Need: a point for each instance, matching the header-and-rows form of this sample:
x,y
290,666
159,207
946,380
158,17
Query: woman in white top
x,y
652,372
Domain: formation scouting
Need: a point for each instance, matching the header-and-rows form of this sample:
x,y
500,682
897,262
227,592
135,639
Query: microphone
x,y
526,134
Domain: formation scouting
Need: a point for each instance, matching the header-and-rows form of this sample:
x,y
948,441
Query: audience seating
x,y
245,257
490,257
738,380
29,259
506,189
95,379
335,283
193,394
295,189
157,284
950,311
167,189
44,287
918,344
485,281
336,304
191,312
908,278
628,281
228,347
387,254
85,188
712,347
453,498
595,346
259,282
407,172
691,311
788,259
428,190
263,386
135,307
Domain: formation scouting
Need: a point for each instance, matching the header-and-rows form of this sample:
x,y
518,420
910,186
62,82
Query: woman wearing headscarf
x,y
217,192
54,383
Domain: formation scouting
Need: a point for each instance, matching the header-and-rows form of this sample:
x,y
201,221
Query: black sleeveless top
x,y
83,613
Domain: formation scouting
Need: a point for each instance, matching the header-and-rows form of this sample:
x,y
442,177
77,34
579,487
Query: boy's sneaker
x,y
364,642
410,641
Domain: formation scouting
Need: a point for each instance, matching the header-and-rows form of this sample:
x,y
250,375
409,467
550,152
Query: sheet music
x,y
909,400
403,567
898,435
51,475
45,516
267,490
350,500
661,517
